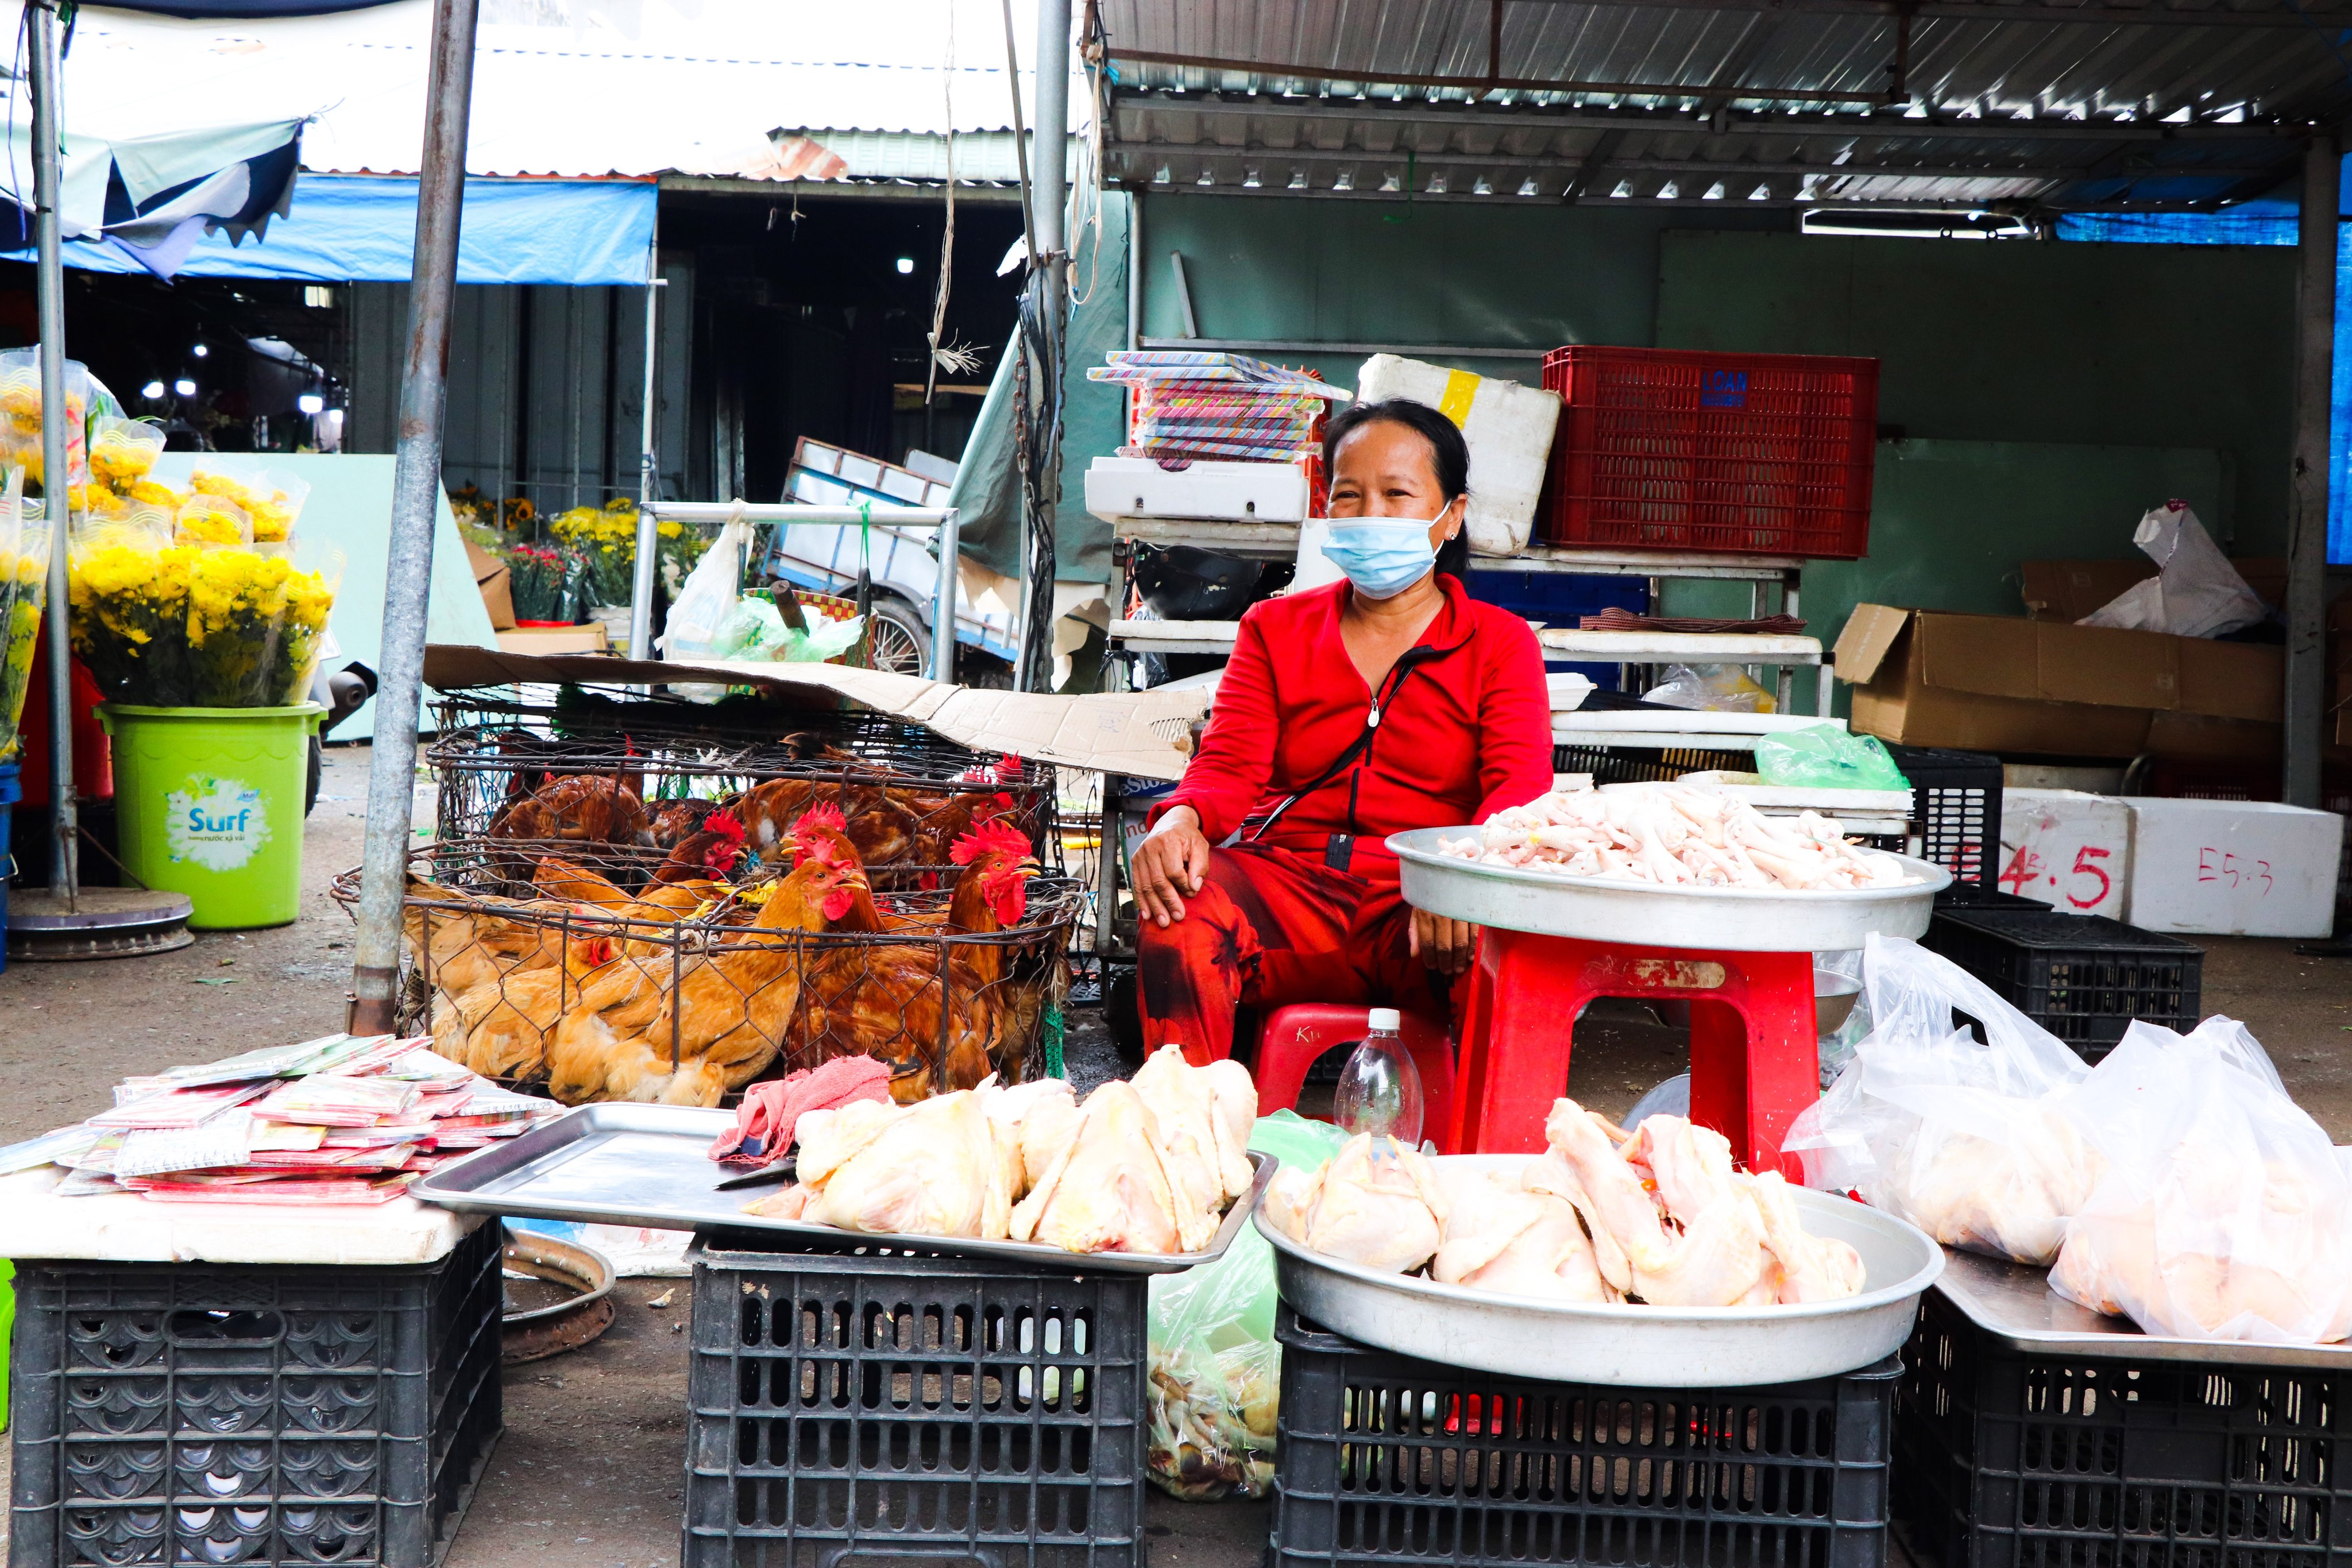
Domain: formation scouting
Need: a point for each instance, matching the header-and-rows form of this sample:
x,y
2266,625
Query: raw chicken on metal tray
x,y
1676,836
1148,1165
1659,1217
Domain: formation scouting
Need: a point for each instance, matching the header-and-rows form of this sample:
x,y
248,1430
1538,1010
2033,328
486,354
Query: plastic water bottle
x,y
1380,1088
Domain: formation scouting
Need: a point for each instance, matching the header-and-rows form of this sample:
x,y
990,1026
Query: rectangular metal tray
x,y
2014,1303
650,1165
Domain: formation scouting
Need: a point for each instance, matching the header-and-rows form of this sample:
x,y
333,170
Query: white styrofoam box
x,y
1239,492
2068,849
2232,867
1508,426
1315,569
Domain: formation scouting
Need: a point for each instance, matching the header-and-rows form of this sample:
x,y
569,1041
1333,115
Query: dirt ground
x,y
590,1470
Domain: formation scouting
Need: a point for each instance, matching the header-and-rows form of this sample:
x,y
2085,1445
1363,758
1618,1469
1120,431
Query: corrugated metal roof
x,y
696,94
1765,101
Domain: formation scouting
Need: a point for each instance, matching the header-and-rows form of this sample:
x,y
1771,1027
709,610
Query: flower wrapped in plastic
x,y
24,584
169,623
271,497
255,621
122,451
20,419
548,584
209,519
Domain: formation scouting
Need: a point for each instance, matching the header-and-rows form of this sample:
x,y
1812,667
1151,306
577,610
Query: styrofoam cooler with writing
x,y
2066,848
2232,867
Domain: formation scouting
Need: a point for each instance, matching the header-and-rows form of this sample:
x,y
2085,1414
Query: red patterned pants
x,y
1270,927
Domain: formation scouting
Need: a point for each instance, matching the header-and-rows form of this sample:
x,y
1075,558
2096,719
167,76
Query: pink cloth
x,y
770,1113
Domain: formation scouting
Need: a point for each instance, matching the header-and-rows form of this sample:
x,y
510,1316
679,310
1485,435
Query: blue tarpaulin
x,y
360,228
2268,220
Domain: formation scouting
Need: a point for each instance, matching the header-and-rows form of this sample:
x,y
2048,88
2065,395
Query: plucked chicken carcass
x,y
1203,1116
1659,1217
1675,836
1091,1178
2011,1197
1512,1242
1375,1203
723,1012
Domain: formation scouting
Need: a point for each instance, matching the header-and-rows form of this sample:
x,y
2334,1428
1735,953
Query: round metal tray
x,y
1595,908
1628,1346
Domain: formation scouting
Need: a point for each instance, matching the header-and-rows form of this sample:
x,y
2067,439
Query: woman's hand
x,y
1445,945
1170,865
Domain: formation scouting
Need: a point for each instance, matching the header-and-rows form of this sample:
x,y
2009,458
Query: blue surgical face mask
x,y
1383,556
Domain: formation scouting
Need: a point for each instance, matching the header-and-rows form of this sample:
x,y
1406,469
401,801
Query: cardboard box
x,y
2232,867
589,638
1997,683
2067,849
495,584
2069,590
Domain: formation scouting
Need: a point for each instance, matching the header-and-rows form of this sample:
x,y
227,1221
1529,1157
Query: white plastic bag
x,y
2224,1214
1713,688
698,627
2195,592
1967,1141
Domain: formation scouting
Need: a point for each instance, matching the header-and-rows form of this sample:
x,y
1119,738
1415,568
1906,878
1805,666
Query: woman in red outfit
x,y
1387,701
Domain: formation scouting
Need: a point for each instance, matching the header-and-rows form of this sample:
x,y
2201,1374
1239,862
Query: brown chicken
x,y
890,999
458,941
881,829
578,808
715,850
501,1027
725,1016
664,904
676,821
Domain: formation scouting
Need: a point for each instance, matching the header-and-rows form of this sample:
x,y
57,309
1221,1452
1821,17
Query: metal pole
x,y
1051,179
2306,656
641,587
56,509
943,610
415,495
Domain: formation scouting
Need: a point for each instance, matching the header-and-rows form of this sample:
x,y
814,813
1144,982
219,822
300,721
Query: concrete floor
x,y
589,1472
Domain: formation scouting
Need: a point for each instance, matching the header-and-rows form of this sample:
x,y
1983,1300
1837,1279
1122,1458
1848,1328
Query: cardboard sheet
x,y
1140,734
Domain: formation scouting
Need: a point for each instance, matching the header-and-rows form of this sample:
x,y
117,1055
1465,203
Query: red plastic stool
x,y
1295,1036
1754,1061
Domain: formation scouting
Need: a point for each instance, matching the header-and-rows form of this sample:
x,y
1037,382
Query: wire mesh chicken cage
x,y
683,993
632,782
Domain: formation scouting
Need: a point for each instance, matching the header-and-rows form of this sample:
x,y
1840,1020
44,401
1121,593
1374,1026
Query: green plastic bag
x,y
1826,757
1216,1372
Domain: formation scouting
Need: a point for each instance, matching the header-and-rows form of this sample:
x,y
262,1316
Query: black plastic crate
x,y
1646,764
1386,1459
870,1401
2005,1459
252,1414
2083,977
1976,896
1955,802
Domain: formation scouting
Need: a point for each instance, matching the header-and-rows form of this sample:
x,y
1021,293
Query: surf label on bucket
x,y
216,822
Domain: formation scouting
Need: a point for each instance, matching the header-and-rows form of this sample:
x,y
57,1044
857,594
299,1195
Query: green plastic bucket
x,y
208,802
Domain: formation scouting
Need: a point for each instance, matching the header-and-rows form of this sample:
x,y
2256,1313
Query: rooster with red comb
x,y
884,1000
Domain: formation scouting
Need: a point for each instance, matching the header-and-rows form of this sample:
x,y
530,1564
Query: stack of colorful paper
x,y
1188,404
347,1119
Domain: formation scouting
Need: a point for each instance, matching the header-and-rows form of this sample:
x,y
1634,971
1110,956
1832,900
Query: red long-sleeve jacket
x,y
1463,728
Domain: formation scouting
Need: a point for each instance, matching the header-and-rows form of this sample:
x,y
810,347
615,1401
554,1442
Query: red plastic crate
x,y
1679,449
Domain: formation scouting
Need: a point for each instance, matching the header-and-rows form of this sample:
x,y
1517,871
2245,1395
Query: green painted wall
x,y
2048,394
2138,345
1535,277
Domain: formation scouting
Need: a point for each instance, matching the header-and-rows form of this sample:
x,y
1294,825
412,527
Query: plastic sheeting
x,y
347,228
2271,220
986,495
